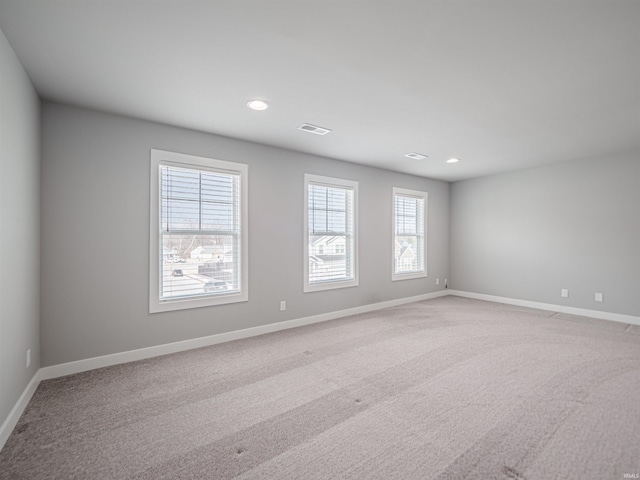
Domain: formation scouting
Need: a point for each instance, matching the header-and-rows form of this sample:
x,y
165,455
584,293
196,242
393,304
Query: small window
x,y
198,232
409,219
331,252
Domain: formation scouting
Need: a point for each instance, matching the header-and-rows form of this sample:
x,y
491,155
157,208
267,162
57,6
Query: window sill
x,y
318,287
158,306
408,276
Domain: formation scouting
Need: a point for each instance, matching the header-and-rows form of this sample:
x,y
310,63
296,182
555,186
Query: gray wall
x,y
19,228
95,235
528,234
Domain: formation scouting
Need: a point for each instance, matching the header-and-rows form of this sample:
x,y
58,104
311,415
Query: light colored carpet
x,y
449,388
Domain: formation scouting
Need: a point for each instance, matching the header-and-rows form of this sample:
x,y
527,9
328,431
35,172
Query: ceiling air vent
x,y
416,156
307,127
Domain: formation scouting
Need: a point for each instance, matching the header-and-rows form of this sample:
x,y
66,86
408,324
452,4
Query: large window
x,y
409,218
331,251
198,232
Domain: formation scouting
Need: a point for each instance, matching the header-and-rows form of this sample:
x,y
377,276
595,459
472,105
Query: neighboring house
x,y
218,262
328,245
209,252
327,258
405,257
167,255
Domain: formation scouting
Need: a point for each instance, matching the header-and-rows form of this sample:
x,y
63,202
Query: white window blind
x,y
200,232
331,249
199,222
409,252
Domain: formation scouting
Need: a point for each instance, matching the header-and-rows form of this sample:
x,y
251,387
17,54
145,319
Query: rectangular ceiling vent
x,y
307,127
416,156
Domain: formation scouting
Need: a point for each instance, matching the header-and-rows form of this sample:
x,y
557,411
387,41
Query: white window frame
x,y
161,157
310,179
404,192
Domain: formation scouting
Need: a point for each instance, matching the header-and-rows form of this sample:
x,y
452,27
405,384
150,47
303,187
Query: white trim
x,y
155,351
63,369
55,371
311,179
614,317
18,409
424,196
159,157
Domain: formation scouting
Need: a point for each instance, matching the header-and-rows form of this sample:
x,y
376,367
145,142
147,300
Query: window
x,y
198,249
409,219
330,250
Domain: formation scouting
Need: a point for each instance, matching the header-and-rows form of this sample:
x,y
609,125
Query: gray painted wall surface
x,y
529,234
95,235
19,228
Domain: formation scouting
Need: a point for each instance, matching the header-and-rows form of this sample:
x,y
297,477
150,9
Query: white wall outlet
x,y
446,285
564,292
599,297
283,305
28,357
437,281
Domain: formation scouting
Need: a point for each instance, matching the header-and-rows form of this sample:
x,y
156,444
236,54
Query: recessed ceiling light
x,y
257,105
453,160
416,156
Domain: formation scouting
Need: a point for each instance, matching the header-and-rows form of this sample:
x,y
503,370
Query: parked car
x,y
215,285
177,272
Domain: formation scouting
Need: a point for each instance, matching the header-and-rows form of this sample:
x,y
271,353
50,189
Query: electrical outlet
x,y
446,285
28,357
437,281
564,292
599,297
283,305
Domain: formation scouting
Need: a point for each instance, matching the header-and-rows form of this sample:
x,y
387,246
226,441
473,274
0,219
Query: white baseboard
x,y
615,317
70,368
55,371
149,352
11,421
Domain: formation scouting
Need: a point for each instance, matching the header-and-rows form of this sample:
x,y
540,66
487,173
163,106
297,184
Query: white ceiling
x,y
502,85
